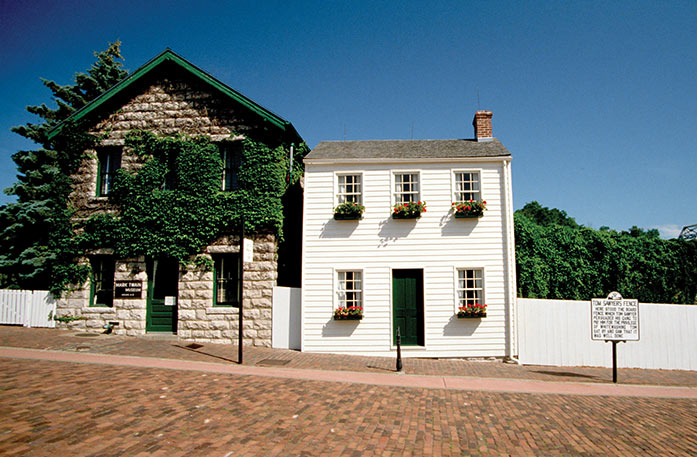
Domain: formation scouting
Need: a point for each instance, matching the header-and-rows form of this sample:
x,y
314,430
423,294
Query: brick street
x,y
64,408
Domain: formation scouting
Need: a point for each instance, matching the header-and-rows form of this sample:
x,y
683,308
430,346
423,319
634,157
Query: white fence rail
x,y
30,308
558,332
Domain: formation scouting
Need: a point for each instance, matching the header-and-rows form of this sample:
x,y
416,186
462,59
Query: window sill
x,y
223,310
98,309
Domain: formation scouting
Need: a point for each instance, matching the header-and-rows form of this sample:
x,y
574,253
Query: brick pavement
x,y
50,408
150,347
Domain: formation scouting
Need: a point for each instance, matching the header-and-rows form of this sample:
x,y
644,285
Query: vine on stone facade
x,y
173,206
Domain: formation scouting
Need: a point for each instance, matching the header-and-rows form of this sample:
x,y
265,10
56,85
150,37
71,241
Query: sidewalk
x,y
168,353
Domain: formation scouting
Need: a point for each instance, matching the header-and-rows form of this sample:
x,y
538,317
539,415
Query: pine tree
x,y
35,232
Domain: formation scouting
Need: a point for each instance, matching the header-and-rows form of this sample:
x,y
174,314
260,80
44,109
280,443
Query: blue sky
x,y
597,101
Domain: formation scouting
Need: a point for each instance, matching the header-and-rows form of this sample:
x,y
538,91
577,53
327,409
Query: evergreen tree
x,y
35,232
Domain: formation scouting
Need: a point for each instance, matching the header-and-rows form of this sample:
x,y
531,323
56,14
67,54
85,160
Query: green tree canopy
x,y
557,258
35,231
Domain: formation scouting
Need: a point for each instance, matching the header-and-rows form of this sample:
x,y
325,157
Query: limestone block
x,y
205,294
262,342
261,303
252,313
183,333
196,325
231,334
264,334
212,334
219,325
94,323
186,314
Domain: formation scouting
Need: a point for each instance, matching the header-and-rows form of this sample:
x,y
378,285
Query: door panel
x,y
407,306
163,281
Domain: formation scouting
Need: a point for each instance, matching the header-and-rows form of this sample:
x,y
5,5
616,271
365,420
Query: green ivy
x,y
179,220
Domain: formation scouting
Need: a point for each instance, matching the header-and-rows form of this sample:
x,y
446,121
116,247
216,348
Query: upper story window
x,y
108,161
226,277
406,188
231,155
102,283
350,290
349,189
467,186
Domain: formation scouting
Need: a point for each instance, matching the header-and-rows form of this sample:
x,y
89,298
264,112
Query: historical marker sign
x,y
128,289
614,318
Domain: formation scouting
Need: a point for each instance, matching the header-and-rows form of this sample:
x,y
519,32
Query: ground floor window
x,y
470,289
226,279
350,289
102,281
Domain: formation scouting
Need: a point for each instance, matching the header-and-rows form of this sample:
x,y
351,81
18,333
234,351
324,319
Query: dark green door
x,y
408,306
163,281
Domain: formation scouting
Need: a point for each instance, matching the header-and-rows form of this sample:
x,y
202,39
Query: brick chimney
x,y
482,125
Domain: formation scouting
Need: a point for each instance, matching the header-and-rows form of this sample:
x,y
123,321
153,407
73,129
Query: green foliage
x,y
36,246
173,206
560,259
545,216
349,209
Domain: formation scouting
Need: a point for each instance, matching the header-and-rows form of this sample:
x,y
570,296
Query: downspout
x,y
510,247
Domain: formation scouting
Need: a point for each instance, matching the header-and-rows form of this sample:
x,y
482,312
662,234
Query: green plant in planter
x,y
409,210
471,208
348,313
348,211
471,310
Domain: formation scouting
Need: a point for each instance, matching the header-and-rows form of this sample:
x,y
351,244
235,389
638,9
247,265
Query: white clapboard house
x,y
404,272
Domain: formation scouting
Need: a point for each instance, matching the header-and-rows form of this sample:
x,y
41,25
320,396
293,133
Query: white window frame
x,y
337,292
455,191
340,197
457,289
417,193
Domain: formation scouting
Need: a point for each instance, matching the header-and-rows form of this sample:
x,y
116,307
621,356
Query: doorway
x,y
163,291
408,306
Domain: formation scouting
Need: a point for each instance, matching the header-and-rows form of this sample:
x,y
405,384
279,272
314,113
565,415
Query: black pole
x,y
241,318
399,351
614,362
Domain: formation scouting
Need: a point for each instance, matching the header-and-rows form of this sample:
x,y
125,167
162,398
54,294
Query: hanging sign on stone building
x,y
128,289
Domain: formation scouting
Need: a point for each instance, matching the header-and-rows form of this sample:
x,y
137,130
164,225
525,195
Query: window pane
x,y
227,280
470,290
349,292
467,186
349,189
103,281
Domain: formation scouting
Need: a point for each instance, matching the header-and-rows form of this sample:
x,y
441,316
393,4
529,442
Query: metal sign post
x,y
241,318
614,320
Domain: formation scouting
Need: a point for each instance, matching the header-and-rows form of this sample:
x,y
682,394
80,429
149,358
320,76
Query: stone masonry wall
x,y
129,313
166,106
200,321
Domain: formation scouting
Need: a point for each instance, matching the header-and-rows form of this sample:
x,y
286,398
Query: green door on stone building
x,y
163,290
408,306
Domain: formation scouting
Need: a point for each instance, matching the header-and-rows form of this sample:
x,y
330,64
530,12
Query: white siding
x,y
437,243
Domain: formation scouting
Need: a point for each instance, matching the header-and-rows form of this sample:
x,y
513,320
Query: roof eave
x,y
169,55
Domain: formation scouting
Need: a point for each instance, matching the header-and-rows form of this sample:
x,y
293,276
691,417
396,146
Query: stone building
x,y
168,96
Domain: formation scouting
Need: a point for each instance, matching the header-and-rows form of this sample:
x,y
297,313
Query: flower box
x,y
347,217
409,210
352,313
470,315
348,317
474,311
406,216
349,211
469,209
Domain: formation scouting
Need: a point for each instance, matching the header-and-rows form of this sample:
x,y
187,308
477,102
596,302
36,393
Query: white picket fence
x,y
30,308
558,332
